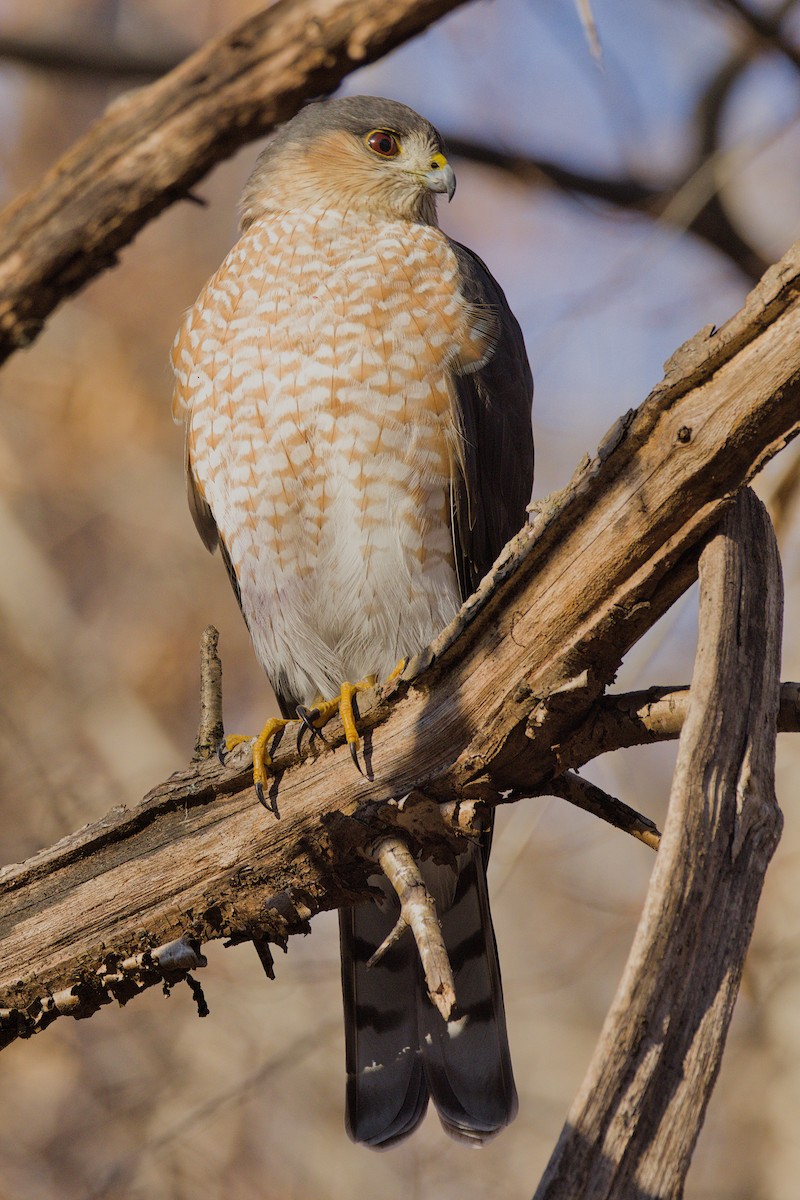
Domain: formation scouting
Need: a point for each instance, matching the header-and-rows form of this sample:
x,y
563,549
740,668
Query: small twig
x,y
579,791
417,911
590,29
196,989
210,729
387,943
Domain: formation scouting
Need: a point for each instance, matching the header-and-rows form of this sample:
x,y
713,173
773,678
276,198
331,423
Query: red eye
x,y
384,143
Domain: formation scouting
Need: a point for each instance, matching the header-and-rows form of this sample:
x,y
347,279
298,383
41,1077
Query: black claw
x,y
222,751
308,717
354,756
269,805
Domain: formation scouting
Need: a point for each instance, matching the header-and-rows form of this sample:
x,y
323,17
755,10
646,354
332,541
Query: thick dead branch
x,y
635,1121
154,143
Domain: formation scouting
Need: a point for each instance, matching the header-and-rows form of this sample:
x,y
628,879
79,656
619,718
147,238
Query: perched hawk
x,y
357,404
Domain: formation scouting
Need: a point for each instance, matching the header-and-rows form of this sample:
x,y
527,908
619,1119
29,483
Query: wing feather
x,y
493,486
386,1091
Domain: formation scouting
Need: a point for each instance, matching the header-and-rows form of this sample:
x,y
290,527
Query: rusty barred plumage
x,y
357,406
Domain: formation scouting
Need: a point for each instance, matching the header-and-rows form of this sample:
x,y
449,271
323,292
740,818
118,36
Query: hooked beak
x,y
441,177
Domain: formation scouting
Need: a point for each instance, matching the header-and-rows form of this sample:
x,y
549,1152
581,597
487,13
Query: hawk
x,y
357,401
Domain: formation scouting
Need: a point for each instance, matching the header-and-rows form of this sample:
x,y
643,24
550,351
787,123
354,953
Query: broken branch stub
x,y
635,1121
418,913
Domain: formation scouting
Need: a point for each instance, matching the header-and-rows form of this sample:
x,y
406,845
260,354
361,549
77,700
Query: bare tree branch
x,y
417,913
635,1121
767,26
588,796
619,720
154,143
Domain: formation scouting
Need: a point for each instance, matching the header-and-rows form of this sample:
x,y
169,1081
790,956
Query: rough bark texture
x,y
154,143
635,1121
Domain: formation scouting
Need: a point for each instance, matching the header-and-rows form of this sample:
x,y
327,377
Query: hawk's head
x,y
359,153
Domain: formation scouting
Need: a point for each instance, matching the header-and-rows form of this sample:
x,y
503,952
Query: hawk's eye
x,y
384,143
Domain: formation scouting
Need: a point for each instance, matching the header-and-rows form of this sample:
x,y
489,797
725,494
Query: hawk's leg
x,y
317,717
261,756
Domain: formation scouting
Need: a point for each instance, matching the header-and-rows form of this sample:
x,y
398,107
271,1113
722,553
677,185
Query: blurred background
x,y
623,204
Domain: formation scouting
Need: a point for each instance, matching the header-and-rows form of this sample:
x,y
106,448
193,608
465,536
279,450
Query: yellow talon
x,y
261,757
316,718
398,670
236,739
343,705
323,711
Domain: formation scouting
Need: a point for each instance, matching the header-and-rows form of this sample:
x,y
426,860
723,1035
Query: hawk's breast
x,y
313,373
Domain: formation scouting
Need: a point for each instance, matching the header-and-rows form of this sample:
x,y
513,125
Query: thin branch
x,y
767,26
100,62
620,720
592,799
417,913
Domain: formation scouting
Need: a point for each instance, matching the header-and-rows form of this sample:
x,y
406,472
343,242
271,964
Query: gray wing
x,y
491,495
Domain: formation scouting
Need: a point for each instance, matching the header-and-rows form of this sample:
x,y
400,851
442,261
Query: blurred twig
x,y
291,1056
105,61
767,25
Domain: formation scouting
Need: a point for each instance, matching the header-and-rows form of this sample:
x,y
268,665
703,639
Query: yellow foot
x,y
261,757
319,716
